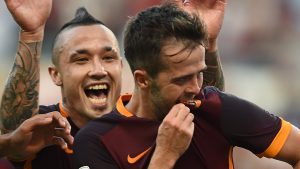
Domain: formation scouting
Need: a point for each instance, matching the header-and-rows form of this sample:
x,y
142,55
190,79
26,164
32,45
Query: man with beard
x,y
87,67
165,48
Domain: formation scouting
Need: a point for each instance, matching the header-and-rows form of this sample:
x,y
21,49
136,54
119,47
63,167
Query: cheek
x,y
172,93
72,80
115,73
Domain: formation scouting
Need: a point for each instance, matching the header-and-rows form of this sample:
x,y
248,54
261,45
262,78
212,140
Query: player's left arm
x,y
290,151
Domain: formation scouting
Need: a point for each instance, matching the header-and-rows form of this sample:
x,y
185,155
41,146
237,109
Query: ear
x,y
55,75
141,78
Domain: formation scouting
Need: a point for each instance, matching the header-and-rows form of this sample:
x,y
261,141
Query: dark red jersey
x,y
122,140
52,157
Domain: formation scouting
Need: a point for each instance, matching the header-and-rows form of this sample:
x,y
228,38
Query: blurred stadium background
x,y
259,46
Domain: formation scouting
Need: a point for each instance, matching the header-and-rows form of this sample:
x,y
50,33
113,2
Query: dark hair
x,y
147,32
82,17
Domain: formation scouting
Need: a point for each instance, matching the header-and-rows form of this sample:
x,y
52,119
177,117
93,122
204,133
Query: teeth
x,y
97,101
98,87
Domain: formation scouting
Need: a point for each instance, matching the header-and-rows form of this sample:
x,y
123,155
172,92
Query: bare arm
x,y
290,151
20,96
213,75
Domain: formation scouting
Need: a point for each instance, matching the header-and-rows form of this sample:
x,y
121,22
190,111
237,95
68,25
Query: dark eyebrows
x,y
188,75
85,51
82,51
79,52
108,48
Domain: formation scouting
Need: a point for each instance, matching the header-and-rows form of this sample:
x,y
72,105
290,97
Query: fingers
x,y
62,144
178,113
36,121
189,124
184,120
180,120
176,131
183,112
62,127
61,122
66,136
57,125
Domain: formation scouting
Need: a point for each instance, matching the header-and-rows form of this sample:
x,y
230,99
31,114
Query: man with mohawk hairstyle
x,y
86,65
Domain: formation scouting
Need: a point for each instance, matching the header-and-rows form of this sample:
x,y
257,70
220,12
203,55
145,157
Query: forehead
x,y
181,58
87,36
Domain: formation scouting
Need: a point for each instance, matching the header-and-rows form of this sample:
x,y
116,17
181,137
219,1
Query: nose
x,y
97,70
194,86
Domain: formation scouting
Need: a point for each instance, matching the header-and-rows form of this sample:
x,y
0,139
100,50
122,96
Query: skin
x,y
42,129
23,81
20,97
181,128
87,60
181,81
176,131
212,13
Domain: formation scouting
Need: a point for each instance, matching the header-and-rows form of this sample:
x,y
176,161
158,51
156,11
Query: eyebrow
x,y
85,51
188,75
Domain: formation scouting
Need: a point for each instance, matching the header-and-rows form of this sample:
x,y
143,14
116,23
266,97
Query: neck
x,y
140,106
76,118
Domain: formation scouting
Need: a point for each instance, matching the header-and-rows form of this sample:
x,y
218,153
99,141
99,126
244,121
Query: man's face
x,y
181,80
90,70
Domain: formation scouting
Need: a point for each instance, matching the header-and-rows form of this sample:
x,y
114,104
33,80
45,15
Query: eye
x,y
109,58
81,60
182,80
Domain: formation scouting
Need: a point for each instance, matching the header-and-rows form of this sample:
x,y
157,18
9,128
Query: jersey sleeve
x,y
89,152
246,125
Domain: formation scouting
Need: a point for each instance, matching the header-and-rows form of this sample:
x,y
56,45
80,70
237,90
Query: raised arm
x,y
20,96
212,13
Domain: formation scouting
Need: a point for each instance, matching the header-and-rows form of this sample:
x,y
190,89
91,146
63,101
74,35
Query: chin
x,y
100,114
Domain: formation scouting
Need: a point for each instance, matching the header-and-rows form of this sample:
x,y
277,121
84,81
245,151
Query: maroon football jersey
x,y
122,140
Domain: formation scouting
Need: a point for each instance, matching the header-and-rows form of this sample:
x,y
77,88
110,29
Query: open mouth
x,y
97,94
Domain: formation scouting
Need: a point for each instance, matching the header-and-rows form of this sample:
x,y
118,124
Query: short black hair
x,y
148,31
82,17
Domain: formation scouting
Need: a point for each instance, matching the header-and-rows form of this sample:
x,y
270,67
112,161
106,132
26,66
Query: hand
x,y
38,132
210,11
174,135
31,15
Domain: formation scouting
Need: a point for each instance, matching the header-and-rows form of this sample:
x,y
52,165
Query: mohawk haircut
x,y
82,18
